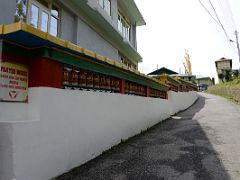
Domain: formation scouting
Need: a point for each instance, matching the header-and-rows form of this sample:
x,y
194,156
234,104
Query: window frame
x,y
103,6
127,62
125,26
48,11
58,18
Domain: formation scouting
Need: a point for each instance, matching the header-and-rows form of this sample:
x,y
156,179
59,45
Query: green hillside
x,y
229,90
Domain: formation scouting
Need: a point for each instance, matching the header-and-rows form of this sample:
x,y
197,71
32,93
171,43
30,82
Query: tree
x,y
221,76
20,11
227,75
236,74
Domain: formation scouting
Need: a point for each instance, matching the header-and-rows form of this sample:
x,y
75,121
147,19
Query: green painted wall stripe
x,y
1,46
188,84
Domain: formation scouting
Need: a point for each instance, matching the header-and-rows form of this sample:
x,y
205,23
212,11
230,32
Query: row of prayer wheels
x,y
90,80
84,79
158,94
134,88
183,89
173,87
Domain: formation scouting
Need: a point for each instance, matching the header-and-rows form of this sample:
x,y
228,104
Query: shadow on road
x,y
176,149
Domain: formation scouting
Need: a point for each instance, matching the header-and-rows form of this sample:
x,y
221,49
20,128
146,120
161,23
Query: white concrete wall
x,y
6,152
181,100
61,129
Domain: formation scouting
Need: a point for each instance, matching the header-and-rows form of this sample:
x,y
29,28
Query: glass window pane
x,y
101,3
34,16
128,33
44,23
55,11
107,6
54,26
121,27
124,30
119,23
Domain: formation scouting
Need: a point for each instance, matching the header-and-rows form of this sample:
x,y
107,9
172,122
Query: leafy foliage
x,y
20,11
221,76
227,75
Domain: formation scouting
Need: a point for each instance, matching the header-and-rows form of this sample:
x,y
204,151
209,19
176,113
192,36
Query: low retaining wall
x,y
61,129
180,100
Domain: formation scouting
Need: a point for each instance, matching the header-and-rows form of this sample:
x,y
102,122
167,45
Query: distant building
x,y
223,64
204,83
172,79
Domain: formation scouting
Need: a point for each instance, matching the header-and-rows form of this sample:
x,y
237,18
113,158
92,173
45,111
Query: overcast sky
x,y
176,25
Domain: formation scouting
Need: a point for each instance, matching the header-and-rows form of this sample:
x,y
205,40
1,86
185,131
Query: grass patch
x,y
229,90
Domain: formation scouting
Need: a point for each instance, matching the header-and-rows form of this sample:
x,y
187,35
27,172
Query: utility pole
x,y
236,33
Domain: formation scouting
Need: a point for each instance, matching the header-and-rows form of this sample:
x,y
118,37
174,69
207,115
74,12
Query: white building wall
x,y
61,129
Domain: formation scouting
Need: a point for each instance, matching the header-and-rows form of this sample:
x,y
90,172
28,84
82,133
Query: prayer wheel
x,y
96,81
74,77
107,82
117,85
131,88
89,80
82,78
102,82
66,76
113,82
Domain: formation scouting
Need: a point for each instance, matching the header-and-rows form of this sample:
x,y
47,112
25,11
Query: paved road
x,y
204,144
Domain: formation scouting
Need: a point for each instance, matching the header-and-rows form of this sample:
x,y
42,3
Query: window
x,y
34,15
44,16
128,63
123,26
106,5
54,21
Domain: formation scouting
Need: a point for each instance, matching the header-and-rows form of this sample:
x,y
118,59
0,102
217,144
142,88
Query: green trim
x,y
1,49
173,81
186,83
